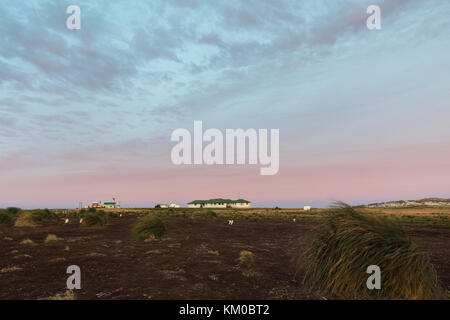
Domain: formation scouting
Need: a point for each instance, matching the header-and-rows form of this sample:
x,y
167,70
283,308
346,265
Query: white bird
x,y
81,220
120,215
293,219
66,221
230,222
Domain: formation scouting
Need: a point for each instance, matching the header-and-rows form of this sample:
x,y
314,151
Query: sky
x,y
87,115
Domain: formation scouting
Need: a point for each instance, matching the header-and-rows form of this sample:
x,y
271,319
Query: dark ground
x,y
197,261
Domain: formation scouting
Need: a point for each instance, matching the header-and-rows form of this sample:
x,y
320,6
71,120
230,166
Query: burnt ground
x,y
198,260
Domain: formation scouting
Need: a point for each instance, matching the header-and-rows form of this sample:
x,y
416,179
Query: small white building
x,y
307,208
219,203
174,205
110,205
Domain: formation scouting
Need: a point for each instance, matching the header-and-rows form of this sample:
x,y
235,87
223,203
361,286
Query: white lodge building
x,y
219,203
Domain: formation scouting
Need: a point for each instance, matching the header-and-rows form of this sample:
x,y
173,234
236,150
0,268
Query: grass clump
x,y
68,295
13,210
336,258
5,218
26,219
110,214
247,263
52,238
246,259
34,217
149,227
93,219
27,241
42,215
208,214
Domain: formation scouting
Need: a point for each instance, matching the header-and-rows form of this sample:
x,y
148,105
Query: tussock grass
x,y
337,256
13,210
52,238
93,219
5,218
33,217
111,214
25,219
27,241
42,215
209,214
149,227
68,295
246,259
247,263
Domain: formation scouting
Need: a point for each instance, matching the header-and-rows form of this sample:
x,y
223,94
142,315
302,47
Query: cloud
x,y
98,99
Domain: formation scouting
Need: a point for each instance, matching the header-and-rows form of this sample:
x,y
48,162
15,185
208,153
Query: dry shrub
x,y
93,219
336,259
25,220
26,241
68,295
246,259
5,218
52,238
149,227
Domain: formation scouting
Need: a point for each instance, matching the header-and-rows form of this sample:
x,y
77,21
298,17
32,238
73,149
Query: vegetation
x,y
26,241
68,295
93,219
246,259
42,215
149,227
5,218
110,214
25,219
209,214
13,210
336,258
52,238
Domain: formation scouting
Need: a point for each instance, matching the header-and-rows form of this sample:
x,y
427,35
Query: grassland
x,y
200,257
433,216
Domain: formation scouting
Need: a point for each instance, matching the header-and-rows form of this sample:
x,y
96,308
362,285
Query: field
x,y
199,259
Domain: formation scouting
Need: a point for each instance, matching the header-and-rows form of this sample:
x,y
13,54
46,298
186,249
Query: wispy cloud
x,y
104,99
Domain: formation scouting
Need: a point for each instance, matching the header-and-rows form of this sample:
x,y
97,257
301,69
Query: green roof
x,y
218,200
106,203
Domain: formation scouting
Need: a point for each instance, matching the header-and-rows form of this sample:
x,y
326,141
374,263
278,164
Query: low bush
x,y
42,215
13,210
5,218
26,219
148,227
208,214
93,219
110,214
246,259
68,295
52,238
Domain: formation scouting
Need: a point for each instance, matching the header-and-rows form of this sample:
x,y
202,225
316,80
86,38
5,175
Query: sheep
x,y
66,221
230,222
293,220
120,215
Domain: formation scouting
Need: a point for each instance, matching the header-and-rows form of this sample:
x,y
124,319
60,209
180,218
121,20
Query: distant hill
x,y
438,202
